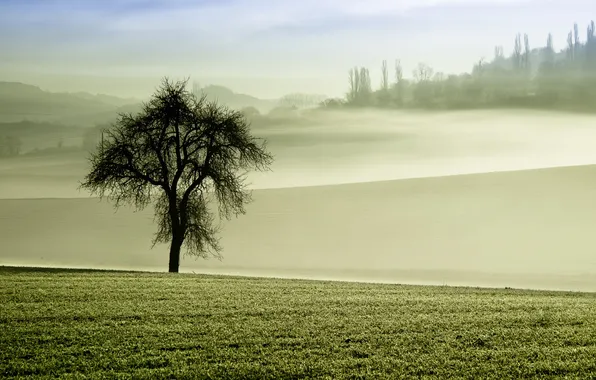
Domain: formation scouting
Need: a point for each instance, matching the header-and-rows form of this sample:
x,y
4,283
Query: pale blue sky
x,y
263,47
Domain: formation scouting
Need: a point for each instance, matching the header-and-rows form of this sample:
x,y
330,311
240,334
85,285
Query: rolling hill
x,y
19,101
235,100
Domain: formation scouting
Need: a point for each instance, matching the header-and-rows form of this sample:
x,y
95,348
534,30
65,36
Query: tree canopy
x,y
180,153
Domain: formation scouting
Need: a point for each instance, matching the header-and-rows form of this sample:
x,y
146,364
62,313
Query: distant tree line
x,y
300,100
527,78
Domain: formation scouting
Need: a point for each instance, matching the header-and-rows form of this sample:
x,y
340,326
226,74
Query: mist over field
x,y
432,154
362,146
355,195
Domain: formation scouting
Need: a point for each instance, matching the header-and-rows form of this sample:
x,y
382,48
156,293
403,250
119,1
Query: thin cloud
x,y
242,16
209,20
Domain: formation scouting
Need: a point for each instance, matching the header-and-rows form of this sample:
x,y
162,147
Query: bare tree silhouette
x,y
179,153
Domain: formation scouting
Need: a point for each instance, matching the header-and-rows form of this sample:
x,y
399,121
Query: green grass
x,y
100,324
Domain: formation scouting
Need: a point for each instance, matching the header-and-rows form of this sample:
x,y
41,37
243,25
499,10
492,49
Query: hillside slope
x,y
521,229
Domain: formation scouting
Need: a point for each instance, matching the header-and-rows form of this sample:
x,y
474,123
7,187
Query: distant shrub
x,y
250,112
92,137
332,103
283,112
10,146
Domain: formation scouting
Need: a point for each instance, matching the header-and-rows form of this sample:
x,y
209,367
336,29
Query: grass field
x,y
95,324
522,229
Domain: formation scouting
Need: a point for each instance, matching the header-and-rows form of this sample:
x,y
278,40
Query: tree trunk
x,y
177,234
175,254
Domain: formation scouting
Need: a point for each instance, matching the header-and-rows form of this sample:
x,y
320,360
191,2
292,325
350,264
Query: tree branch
x,y
204,171
130,167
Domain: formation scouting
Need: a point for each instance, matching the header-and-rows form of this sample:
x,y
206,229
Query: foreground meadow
x,y
75,324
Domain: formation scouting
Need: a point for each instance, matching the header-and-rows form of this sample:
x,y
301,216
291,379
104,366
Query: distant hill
x,y
19,101
108,99
104,117
234,100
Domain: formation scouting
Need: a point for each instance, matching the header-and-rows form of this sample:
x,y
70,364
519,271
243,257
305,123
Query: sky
x,y
266,48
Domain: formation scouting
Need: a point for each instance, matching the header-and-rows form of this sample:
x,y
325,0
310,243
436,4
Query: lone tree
x,y
179,153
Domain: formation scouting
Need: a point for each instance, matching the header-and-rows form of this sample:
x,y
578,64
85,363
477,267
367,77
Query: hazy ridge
x,y
19,101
